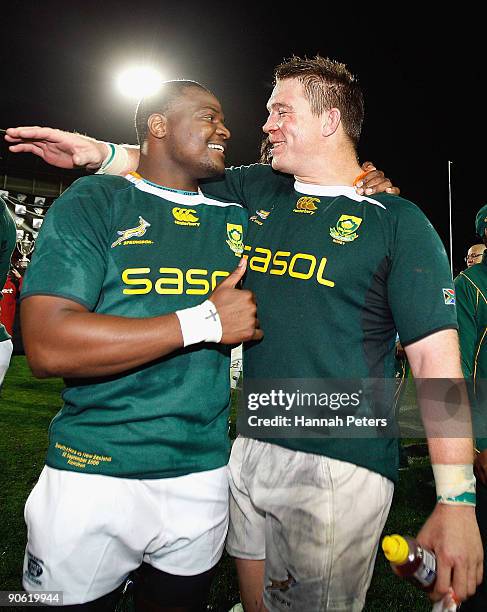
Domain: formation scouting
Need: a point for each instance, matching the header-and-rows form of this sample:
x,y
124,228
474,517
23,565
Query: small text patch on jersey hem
x,y
449,296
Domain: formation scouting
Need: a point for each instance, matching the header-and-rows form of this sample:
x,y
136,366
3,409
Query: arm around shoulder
x,y
70,150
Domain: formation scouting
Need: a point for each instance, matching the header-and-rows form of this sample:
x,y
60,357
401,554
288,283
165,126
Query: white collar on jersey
x,y
191,198
173,195
323,190
332,191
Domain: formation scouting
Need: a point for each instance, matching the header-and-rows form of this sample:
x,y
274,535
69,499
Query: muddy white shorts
x,y
315,520
87,532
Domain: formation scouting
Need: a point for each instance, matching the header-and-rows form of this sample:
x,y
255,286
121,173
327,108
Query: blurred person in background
x,y
7,245
474,254
471,296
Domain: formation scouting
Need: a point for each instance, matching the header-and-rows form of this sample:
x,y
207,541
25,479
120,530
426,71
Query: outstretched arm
x,y
451,531
66,149
71,150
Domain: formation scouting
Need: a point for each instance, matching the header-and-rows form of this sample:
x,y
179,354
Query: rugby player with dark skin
x,y
73,342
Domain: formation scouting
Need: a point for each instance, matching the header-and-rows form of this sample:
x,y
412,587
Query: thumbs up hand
x,y
236,308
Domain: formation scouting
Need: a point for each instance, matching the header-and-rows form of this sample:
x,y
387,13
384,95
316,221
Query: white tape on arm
x,y
116,160
455,484
200,323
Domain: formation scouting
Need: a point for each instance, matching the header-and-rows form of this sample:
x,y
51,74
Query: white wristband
x,y
200,323
455,484
116,160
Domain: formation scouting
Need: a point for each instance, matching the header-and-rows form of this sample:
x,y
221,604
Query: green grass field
x,y
26,407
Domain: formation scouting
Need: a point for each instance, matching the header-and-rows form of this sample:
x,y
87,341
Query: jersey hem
x,y
429,333
141,475
74,298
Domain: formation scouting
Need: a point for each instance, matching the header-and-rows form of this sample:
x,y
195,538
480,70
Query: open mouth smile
x,y
277,145
216,147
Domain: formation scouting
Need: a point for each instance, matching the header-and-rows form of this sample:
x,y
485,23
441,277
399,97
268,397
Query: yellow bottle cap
x,y
395,548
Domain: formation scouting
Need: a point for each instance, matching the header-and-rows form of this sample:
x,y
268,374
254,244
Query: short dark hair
x,y
328,84
160,102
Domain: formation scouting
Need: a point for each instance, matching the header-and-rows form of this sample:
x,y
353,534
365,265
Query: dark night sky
x,y
422,81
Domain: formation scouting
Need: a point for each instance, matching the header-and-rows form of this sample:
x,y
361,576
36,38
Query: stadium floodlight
x,y
140,81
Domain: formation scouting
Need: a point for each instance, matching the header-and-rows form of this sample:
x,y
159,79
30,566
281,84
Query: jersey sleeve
x,y
467,325
69,260
420,286
229,187
250,186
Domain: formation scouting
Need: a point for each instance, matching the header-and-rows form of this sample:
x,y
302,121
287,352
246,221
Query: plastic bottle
x,y
418,565
410,560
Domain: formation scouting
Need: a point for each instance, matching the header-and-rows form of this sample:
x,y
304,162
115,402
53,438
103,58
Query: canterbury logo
x,y
306,205
185,216
133,232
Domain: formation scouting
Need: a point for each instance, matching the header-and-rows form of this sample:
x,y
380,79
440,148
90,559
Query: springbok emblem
x,y
133,232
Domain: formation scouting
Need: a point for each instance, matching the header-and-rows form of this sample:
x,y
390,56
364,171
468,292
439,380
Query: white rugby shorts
x,y
87,532
315,520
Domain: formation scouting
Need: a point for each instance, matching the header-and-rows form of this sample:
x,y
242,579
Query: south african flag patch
x,y
449,296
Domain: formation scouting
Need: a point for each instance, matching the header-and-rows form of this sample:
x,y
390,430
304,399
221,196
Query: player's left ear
x,y
157,124
332,118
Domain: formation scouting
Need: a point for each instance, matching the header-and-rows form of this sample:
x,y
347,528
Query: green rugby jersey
x,y
335,274
7,245
127,247
471,288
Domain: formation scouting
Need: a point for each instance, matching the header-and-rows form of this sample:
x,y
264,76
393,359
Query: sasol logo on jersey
x,y
304,266
235,236
345,229
127,235
171,281
306,205
185,216
260,216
